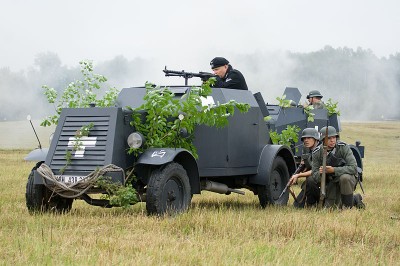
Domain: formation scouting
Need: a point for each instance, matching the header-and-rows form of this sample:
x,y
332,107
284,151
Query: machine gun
x,y
187,75
299,169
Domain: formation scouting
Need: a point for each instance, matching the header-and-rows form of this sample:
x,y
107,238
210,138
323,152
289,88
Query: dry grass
x,y
217,230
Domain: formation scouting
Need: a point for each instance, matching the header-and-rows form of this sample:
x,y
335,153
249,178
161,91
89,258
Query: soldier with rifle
x,y
309,194
339,171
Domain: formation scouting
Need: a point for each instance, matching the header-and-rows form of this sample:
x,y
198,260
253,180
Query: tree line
x,y
367,87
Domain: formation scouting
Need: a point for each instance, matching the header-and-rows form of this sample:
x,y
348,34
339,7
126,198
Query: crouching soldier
x,y
341,171
309,190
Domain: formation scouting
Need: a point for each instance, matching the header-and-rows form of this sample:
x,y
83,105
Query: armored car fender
x,y
163,156
37,155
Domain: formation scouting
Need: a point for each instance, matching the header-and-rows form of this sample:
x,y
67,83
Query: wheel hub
x,y
171,196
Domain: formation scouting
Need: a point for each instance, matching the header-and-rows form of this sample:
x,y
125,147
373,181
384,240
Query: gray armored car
x,y
230,159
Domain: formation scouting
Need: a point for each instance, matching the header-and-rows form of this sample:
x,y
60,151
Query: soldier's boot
x,y
347,201
358,201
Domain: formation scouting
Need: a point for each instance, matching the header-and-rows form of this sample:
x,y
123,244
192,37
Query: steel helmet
x,y
331,132
314,93
310,133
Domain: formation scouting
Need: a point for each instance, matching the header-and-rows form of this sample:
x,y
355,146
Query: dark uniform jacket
x,y
345,162
306,157
233,79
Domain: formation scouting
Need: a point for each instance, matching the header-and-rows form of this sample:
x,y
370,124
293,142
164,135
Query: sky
x,y
188,34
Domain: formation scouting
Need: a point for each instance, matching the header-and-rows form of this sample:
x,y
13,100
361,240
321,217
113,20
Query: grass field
x,y
217,230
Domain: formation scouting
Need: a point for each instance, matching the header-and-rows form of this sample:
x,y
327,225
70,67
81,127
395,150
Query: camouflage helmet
x,y
314,93
331,132
310,133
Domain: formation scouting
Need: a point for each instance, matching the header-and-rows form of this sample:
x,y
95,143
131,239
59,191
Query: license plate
x,y
69,178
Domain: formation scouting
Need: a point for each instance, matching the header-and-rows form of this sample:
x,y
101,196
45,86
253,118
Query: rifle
x,y
360,179
323,177
299,169
187,75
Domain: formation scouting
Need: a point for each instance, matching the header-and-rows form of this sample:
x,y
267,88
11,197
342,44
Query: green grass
x,y
218,229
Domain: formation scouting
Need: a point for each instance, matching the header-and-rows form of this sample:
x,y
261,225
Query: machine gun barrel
x,y
187,75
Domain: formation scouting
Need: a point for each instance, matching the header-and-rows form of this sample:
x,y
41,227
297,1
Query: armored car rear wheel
x,y
278,178
40,199
168,190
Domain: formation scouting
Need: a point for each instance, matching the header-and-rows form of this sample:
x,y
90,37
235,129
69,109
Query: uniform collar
x,y
227,71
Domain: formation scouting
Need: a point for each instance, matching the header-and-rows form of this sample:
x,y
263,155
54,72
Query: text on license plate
x,y
69,178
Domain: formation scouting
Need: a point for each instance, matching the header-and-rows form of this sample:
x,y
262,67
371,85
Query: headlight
x,y
135,140
183,132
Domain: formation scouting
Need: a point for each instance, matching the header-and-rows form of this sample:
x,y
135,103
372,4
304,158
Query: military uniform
x,y
341,184
316,94
233,79
319,105
310,191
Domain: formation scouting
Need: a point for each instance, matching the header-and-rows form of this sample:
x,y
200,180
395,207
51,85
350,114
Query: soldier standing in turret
x,y
314,98
341,171
227,77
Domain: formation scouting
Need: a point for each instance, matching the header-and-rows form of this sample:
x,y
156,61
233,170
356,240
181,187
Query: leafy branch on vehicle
x,y
117,194
288,136
166,116
267,118
283,102
332,107
82,132
310,115
79,94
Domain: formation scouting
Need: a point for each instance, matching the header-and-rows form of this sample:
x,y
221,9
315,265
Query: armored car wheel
x,y
278,178
40,199
168,190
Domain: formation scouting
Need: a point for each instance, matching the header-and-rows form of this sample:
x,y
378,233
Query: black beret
x,y
218,61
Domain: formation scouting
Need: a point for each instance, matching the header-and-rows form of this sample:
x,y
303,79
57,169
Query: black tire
x,y
278,178
168,190
40,199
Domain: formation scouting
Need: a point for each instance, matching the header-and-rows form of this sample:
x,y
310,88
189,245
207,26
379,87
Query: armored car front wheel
x,y
168,190
40,199
278,178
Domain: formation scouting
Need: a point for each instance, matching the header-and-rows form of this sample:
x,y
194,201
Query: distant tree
x,y
47,62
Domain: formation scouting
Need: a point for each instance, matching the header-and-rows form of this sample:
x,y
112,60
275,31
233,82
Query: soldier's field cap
x,y
314,93
218,61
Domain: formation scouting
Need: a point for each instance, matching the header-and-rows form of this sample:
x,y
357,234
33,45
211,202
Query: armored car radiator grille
x,y
91,151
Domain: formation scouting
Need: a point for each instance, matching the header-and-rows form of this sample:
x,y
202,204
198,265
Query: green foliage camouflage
x,y
288,137
117,194
166,115
79,93
332,107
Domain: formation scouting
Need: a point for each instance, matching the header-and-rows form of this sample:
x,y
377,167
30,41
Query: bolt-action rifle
x,y
323,176
187,75
299,169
